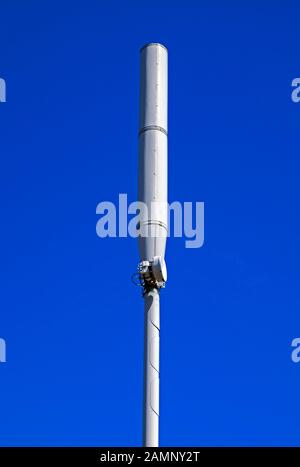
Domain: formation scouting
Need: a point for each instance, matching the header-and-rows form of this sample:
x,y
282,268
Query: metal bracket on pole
x,y
153,274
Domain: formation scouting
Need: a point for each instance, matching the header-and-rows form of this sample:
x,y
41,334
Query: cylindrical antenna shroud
x,y
153,151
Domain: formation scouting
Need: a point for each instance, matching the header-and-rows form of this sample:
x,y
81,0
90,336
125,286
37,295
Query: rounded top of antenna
x,y
154,43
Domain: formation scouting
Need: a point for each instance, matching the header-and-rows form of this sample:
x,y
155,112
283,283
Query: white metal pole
x,y
151,372
153,192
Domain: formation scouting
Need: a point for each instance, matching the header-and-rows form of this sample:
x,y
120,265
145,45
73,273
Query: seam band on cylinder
x,y
153,127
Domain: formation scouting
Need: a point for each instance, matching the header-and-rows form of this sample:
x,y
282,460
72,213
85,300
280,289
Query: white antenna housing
x,y
153,151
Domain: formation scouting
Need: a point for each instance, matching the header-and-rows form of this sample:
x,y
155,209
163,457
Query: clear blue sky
x,y
72,320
